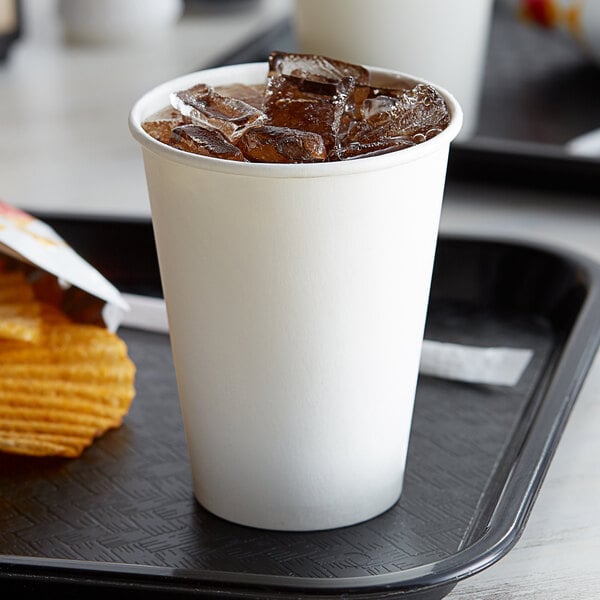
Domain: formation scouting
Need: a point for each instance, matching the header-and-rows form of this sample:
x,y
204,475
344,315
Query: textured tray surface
x,y
129,498
128,501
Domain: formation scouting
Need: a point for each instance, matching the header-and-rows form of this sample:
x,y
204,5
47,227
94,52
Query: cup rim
x,y
158,97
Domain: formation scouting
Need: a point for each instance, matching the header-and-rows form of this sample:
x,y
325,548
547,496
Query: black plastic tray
x,y
122,518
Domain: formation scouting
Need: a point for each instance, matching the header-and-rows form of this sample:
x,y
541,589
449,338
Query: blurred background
x,y
71,70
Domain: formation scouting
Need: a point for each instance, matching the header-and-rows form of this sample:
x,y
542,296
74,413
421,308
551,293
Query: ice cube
x,y
205,107
254,95
353,87
389,83
316,68
392,122
420,112
357,148
315,106
267,143
204,141
160,124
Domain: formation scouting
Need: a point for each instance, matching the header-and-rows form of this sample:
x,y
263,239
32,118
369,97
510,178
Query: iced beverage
x,y
296,289
309,109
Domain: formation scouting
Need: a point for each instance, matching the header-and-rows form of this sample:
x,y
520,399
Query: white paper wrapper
x,y
146,313
492,366
30,240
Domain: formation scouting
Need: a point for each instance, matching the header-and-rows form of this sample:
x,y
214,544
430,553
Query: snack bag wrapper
x,y
27,239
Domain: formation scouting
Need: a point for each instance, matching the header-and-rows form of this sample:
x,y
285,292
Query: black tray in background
x,y
539,91
122,518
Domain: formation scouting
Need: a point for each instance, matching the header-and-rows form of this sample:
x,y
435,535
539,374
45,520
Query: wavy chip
x,y
21,321
62,384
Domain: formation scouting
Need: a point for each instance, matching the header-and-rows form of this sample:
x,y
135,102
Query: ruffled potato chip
x,y
62,384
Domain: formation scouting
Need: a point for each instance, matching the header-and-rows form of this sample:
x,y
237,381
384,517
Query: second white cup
x,y
444,41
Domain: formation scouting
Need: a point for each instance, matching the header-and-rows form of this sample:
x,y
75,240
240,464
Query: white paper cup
x,y
444,41
117,21
296,297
